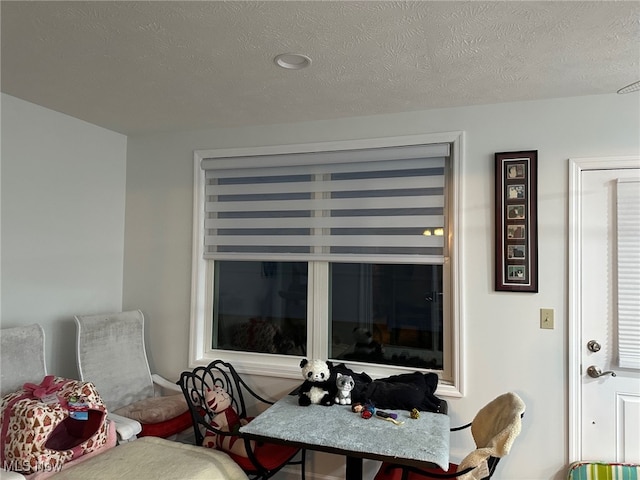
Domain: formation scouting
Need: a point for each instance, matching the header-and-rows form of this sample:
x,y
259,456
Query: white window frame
x,y
287,366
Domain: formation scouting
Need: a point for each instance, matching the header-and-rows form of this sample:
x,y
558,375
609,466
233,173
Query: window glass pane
x,y
260,307
387,314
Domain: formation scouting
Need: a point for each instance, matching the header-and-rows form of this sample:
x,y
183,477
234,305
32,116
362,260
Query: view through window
x,y
380,313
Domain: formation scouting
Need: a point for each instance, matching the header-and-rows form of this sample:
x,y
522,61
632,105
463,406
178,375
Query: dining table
x,y
421,442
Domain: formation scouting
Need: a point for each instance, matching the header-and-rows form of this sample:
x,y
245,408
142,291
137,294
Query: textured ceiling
x,y
141,67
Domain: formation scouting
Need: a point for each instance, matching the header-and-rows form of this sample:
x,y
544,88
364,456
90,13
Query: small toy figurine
x,y
345,384
389,417
415,414
382,414
368,411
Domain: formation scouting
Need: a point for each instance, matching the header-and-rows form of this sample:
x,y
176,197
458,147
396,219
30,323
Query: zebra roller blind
x,y
348,205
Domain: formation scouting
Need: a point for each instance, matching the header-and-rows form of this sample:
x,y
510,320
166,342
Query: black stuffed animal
x,y
319,387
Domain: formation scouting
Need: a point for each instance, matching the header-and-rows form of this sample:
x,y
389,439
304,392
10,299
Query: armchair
x,y
111,354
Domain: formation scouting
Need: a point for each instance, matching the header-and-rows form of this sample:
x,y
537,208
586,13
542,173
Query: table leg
x,y
354,468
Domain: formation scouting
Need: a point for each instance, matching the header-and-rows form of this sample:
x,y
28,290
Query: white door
x,y
610,402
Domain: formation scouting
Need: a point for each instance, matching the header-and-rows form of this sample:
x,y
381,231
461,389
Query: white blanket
x,y
151,458
494,429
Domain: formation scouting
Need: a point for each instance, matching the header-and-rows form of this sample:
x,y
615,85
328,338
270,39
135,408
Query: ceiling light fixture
x,y
633,87
292,61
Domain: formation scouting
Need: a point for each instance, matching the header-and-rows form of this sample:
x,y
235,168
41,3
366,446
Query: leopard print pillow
x,y
41,437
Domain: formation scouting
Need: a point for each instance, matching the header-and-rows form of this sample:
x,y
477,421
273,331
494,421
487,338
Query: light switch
x,y
546,318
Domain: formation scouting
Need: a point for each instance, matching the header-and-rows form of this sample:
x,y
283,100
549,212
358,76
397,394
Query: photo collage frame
x,y
516,221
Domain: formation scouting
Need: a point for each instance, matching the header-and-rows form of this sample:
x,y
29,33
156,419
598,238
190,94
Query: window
x,y
343,251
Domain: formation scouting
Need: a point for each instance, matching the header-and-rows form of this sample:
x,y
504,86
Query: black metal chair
x,y
494,428
262,460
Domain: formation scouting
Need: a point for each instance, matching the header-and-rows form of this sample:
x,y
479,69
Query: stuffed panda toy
x,y
319,387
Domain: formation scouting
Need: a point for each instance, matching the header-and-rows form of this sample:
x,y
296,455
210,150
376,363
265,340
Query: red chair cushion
x,y
388,473
270,455
167,428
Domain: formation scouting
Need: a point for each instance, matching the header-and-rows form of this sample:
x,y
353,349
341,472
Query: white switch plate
x,y
546,318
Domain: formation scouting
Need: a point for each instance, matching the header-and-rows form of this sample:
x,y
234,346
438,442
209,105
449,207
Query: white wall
x,y
62,223
505,348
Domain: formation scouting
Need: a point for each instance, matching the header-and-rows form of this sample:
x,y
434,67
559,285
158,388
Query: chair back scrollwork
x,y
197,383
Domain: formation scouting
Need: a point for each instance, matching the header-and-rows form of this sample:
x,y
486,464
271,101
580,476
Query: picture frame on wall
x,y
516,221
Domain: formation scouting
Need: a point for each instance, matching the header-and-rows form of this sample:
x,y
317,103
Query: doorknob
x,y
595,372
593,346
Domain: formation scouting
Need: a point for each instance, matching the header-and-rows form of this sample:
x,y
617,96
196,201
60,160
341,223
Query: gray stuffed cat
x,y
345,384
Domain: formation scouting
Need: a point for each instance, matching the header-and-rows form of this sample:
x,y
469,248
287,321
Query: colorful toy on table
x,y
389,416
366,411
382,414
318,387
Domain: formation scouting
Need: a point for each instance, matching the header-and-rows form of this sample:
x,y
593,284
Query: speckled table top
x,y
425,439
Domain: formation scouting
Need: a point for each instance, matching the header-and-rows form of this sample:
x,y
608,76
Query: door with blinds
x,y
609,352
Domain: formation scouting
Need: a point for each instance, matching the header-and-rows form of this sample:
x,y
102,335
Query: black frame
x,y
516,221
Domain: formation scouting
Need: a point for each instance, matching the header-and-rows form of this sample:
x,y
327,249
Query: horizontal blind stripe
x,y
395,221
326,204
628,232
327,240
328,157
400,257
431,181
269,172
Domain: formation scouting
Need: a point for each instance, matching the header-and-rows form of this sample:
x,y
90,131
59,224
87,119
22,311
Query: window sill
x,y
288,367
